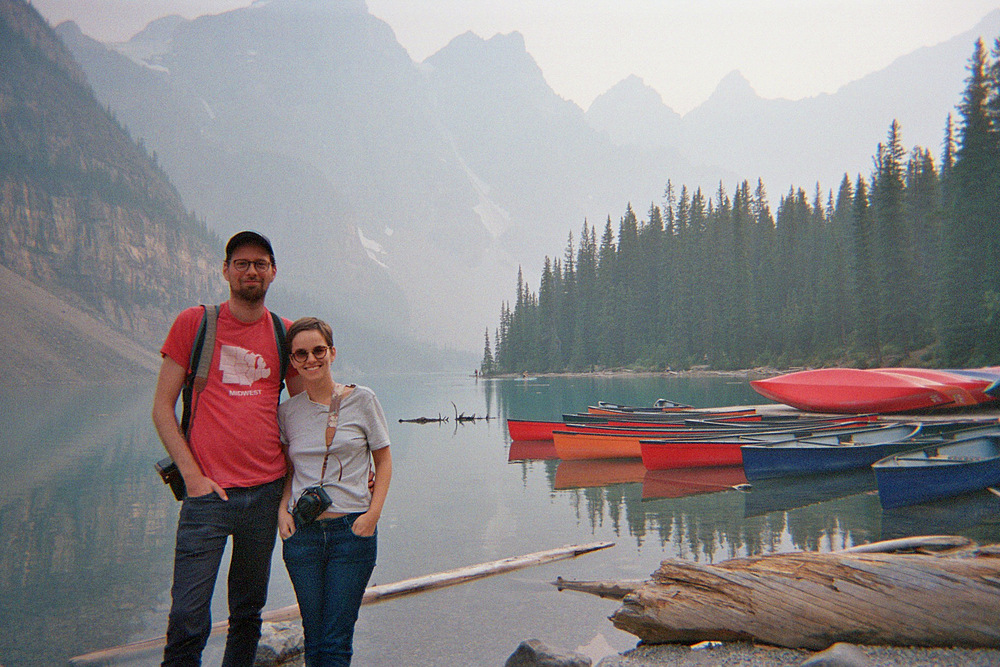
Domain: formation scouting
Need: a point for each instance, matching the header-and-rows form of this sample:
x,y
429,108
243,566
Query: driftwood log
x,y
463,418
424,420
813,600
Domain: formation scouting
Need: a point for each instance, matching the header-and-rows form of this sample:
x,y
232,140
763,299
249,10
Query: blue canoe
x,y
948,468
836,452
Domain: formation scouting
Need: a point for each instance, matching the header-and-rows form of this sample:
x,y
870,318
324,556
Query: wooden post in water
x,y
376,593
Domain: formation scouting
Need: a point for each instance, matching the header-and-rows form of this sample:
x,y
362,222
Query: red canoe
x,y
707,447
572,446
852,390
707,453
523,429
596,443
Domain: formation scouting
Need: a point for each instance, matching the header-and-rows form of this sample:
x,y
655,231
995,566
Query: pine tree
x,y
584,350
568,311
972,195
496,349
948,149
869,332
486,367
651,246
841,215
607,295
549,297
628,278
922,212
892,246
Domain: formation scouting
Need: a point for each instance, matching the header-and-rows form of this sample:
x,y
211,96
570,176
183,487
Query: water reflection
x,y
682,482
85,538
698,513
974,514
786,493
87,526
706,523
531,450
597,472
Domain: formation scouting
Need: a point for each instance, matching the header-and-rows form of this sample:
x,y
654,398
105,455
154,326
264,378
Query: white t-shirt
x,y
361,428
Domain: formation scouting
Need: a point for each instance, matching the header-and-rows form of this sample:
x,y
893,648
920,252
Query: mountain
x,y
448,174
48,339
405,195
87,216
321,126
802,142
547,169
230,159
648,120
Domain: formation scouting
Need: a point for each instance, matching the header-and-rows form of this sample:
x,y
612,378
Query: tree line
x,y
900,267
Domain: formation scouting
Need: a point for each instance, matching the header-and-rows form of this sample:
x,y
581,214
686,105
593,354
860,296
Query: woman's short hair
x,y
310,324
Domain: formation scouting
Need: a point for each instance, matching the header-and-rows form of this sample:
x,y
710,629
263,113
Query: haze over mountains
x,y
405,195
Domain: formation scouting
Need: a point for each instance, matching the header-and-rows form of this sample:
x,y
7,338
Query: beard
x,y
250,294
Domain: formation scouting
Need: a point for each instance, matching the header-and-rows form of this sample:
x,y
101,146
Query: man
x,y
232,463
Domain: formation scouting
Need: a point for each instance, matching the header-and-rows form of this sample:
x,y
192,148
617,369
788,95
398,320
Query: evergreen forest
x,y
901,267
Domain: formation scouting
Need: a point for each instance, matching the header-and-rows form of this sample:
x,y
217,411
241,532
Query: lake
x,y
87,525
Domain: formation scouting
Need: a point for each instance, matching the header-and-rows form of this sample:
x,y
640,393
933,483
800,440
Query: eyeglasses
x,y
318,352
243,264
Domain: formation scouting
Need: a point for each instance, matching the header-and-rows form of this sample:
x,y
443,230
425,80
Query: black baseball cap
x,y
248,237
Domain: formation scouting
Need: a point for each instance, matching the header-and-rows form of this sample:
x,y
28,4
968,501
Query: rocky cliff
x,y
85,211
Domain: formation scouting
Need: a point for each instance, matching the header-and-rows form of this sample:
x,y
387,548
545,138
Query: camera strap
x,y
331,430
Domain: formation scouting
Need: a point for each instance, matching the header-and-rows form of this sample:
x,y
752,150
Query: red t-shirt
x,y
234,432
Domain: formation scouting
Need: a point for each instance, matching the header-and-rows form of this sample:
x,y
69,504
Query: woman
x,y
332,433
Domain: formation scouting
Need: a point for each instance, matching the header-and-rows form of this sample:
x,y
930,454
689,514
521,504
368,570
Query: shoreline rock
x,y
745,654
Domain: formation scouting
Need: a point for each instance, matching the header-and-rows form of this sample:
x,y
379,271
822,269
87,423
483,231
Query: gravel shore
x,y
740,654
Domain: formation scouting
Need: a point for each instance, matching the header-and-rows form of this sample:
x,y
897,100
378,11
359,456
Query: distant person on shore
x,y
232,463
328,515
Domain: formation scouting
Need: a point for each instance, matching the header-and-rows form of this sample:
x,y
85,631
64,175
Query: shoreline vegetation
x,y
695,371
875,271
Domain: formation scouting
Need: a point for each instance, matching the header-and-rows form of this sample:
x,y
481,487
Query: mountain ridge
x,y
88,216
459,169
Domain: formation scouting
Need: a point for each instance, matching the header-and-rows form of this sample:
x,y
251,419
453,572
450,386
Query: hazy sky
x,y
682,48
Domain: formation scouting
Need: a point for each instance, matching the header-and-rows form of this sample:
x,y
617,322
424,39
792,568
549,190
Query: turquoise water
x,y
87,526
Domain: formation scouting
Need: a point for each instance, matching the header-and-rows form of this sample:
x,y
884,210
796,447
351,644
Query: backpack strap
x,y
281,338
199,364
202,363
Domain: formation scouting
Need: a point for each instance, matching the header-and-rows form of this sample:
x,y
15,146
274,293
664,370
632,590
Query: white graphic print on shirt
x,y
241,366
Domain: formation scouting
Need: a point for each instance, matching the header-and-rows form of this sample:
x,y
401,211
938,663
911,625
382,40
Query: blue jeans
x,y
206,522
329,567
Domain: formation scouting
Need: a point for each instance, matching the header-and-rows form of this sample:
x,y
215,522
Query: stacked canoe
x,y
882,390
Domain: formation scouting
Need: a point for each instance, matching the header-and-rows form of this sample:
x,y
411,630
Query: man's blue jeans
x,y
329,567
206,522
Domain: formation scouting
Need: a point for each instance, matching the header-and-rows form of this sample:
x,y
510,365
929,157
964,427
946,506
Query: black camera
x,y
171,476
313,502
